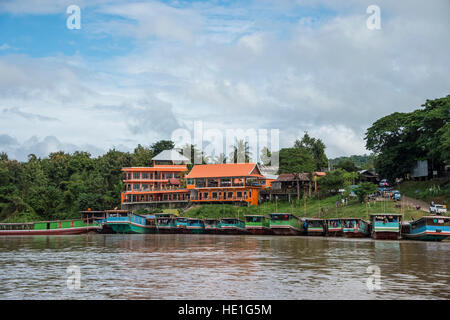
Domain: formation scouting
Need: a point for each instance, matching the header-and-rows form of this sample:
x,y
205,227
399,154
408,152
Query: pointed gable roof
x,y
170,155
225,170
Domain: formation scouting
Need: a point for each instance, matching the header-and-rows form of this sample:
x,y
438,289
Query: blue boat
x,y
181,224
165,223
212,226
386,226
428,228
195,226
355,228
128,222
335,227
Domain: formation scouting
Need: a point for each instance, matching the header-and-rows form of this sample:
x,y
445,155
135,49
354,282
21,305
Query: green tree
x,y
162,145
347,165
317,149
364,189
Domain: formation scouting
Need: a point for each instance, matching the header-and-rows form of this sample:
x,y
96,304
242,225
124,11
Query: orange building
x,y
159,184
225,183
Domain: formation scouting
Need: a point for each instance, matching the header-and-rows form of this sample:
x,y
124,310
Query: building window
x,y
205,195
145,186
239,194
230,194
225,182
135,187
190,181
136,175
145,175
214,195
200,183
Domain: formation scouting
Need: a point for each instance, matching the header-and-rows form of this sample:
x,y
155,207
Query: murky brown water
x,y
221,267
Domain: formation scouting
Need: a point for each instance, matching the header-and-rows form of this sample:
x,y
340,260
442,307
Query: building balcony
x,y
154,190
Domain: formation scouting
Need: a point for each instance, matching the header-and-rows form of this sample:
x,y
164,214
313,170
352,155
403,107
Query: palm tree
x,y
241,151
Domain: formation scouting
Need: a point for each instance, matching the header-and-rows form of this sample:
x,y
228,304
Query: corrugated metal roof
x,y
170,155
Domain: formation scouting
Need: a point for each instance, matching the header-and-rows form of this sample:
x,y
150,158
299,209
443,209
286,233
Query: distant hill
x,y
363,161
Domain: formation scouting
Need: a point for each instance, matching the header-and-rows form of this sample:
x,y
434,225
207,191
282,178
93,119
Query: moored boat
x,y
257,224
386,226
232,226
181,224
335,227
58,227
355,228
285,224
212,226
165,223
127,222
428,228
195,226
314,227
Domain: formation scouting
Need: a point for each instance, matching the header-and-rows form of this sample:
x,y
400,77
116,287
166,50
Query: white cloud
x,y
233,68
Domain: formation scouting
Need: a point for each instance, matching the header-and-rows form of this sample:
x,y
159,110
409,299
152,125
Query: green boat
x,y
285,224
128,222
257,224
58,227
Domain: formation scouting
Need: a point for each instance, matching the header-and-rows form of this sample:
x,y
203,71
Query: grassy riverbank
x,y
430,190
313,208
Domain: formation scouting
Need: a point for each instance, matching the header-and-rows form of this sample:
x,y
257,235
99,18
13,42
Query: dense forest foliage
x,y
63,184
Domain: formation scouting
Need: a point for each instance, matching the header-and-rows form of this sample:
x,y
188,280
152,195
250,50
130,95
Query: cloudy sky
x,y
138,70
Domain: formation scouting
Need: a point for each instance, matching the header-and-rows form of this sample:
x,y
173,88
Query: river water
x,y
221,267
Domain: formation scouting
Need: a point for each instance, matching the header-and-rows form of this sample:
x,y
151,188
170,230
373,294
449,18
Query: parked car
x,y
438,209
384,183
396,195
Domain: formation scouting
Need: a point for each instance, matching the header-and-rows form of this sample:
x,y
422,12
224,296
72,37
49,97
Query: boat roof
x,y
231,219
385,214
434,217
314,219
254,215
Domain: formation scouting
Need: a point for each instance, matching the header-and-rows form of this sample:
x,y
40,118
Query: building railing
x,y
220,199
170,188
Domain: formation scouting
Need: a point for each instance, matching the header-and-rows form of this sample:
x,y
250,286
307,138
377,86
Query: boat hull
x,y
386,235
316,232
355,233
131,228
259,230
195,230
285,230
233,230
335,232
166,230
66,231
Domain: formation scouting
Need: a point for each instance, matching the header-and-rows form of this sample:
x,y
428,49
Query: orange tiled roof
x,y
224,170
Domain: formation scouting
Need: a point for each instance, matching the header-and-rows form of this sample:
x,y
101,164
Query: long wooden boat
x,y
386,226
181,224
356,228
58,227
314,227
257,224
428,228
285,224
128,222
335,227
232,226
165,223
195,226
212,226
